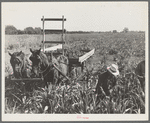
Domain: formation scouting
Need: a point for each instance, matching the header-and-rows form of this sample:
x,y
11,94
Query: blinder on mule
x,y
35,59
16,61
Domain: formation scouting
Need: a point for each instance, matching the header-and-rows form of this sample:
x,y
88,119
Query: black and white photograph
x,y
75,61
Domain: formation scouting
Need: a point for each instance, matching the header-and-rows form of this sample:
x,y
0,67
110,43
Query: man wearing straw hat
x,y
103,81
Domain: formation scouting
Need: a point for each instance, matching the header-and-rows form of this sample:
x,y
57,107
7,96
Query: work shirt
x,y
106,81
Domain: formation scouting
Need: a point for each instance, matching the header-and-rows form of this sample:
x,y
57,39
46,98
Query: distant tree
x,y
20,32
108,31
38,30
29,30
141,32
125,30
114,31
10,30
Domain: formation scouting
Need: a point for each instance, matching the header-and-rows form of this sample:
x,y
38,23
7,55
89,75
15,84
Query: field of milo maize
x,y
79,97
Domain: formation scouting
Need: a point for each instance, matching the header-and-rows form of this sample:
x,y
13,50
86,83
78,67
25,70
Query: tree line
x,y
11,30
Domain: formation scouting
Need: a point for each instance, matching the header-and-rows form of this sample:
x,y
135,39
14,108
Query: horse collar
x,y
45,69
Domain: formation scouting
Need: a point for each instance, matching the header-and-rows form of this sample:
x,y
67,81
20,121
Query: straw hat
x,y
113,69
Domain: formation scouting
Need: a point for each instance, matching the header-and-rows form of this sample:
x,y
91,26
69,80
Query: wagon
x,y
58,49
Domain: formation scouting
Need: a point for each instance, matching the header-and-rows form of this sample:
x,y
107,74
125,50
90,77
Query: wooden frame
x,y
54,31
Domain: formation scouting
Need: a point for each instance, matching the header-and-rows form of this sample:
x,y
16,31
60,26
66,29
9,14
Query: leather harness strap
x,y
47,70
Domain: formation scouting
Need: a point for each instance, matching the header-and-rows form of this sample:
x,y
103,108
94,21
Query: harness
x,y
19,58
47,70
23,65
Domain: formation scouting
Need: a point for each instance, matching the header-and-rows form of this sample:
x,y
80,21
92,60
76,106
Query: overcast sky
x,y
84,16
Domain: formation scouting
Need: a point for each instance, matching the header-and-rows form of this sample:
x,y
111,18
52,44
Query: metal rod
x,y
63,33
61,72
43,35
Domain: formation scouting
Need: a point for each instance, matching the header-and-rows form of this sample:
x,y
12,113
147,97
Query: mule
x,y
140,72
20,65
43,66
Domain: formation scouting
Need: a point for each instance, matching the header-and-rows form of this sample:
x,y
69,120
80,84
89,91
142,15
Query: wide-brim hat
x,y
113,69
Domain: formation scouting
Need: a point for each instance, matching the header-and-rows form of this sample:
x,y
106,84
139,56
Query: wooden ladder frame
x,y
53,30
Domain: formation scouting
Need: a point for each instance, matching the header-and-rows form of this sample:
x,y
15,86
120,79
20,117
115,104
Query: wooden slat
x,y
57,42
86,56
53,19
47,31
27,79
56,54
54,48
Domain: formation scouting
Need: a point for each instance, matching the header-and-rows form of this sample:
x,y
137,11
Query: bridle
x,y
20,64
48,68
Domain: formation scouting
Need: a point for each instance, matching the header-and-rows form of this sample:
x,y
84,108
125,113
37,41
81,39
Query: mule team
x,y
43,65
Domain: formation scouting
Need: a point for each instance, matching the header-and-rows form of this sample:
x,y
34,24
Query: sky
x,y
81,16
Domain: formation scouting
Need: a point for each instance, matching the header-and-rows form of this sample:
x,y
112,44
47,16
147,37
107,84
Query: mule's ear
x,y
19,53
39,51
31,50
9,53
